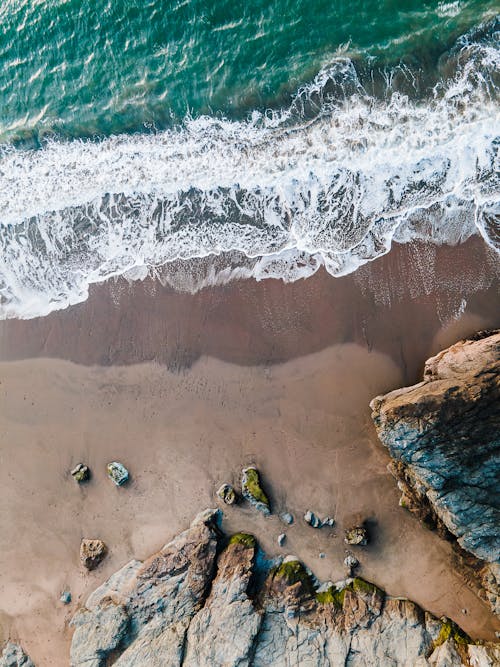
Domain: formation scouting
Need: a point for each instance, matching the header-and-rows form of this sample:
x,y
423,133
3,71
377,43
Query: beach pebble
x,y
91,553
328,521
356,536
322,555
312,519
80,473
227,494
65,597
117,473
351,562
287,518
281,539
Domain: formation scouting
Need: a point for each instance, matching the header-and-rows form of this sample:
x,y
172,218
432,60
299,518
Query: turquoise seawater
x,y
207,141
107,66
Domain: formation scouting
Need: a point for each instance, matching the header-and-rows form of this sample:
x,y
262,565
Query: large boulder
x,y
444,437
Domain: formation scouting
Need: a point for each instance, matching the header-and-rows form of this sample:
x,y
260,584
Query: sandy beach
x,y
187,389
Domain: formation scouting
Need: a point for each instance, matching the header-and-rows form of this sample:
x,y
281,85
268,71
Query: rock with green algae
x,y
117,473
252,490
80,473
227,494
202,601
245,539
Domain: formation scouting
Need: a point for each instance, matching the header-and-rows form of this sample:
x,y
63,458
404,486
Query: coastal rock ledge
x,y
444,437
206,600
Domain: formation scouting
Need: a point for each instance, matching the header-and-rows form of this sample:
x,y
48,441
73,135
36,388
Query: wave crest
x,y
332,181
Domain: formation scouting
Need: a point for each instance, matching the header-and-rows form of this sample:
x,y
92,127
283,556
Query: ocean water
x,y
270,139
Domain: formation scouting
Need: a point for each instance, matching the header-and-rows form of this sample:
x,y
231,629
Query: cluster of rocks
x,y
251,490
116,472
315,522
444,437
198,602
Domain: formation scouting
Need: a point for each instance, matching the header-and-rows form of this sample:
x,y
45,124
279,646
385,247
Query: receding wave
x,y
331,181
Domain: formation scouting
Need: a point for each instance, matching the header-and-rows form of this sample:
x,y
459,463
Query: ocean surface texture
x,y
268,138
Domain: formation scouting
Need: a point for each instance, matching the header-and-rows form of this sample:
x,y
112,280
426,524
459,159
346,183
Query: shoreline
x,y
188,389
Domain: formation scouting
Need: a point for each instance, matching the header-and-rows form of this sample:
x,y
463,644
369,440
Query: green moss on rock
x,y
245,539
450,630
252,485
292,572
252,490
332,596
364,587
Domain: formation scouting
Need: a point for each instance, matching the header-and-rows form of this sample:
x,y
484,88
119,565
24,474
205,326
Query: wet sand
x,y
185,390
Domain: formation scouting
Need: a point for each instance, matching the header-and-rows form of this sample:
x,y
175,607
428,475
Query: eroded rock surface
x,y
14,656
208,601
444,437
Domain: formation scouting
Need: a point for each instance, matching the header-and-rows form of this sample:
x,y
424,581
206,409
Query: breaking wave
x,y
333,180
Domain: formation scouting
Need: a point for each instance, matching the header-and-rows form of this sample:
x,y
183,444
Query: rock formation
x,y
14,656
207,601
444,437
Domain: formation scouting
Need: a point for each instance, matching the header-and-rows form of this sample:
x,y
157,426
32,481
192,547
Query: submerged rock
x,y
444,437
117,473
252,490
356,536
205,600
14,656
92,553
80,473
227,494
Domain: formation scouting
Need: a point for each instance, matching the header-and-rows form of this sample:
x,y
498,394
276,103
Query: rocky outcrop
x,y
14,656
205,601
444,437
141,615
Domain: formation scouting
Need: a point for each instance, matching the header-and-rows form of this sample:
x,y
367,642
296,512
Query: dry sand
x,y
214,399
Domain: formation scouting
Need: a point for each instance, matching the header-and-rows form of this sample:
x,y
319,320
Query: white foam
x,y
288,192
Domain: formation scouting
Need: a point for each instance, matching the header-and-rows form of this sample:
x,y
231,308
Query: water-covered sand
x,y
187,389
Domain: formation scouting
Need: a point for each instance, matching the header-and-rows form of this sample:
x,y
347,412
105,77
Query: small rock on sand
x,y
287,518
117,473
227,494
91,553
65,597
312,519
356,536
80,473
281,539
351,562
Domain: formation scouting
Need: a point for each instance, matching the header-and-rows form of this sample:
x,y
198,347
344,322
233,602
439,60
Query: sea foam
x,y
331,181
